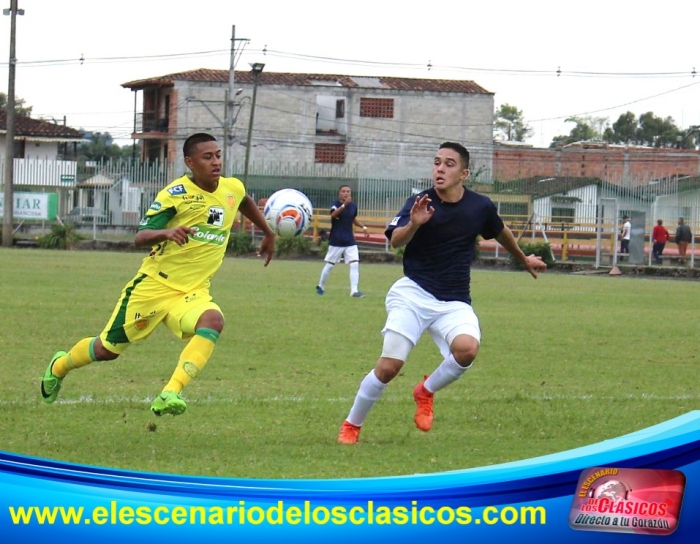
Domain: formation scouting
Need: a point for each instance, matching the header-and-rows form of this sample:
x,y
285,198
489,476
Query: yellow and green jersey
x,y
211,215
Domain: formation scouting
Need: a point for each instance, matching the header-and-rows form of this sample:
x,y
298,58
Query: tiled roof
x,y
26,126
293,79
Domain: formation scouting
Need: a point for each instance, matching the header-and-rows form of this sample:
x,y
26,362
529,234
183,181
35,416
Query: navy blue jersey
x,y
341,227
439,256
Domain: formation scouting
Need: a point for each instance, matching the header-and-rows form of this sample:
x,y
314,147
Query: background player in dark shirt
x,y
341,243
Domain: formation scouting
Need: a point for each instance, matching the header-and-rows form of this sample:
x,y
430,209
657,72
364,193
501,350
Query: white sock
x,y
354,277
369,392
324,275
447,372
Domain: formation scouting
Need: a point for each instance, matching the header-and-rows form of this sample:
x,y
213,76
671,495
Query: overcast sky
x,y
614,55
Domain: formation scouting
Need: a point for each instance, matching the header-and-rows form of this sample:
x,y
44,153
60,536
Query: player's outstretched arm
x,y
360,225
421,212
150,237
532,263
251,211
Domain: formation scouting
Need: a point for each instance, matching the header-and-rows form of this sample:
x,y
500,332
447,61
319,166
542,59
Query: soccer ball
x,y
288,212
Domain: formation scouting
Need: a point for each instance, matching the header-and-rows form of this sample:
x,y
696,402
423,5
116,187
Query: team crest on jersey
x,y
177,190
216,216
231,201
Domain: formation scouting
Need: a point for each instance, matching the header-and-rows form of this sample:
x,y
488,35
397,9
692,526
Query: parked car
x,y
79,216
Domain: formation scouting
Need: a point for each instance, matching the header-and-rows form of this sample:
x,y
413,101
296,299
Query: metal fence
x,y
113,195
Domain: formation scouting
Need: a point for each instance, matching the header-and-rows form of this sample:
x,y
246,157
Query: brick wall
x,y
606,162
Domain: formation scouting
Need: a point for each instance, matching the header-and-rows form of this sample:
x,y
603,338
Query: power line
x,y
429,66
615,107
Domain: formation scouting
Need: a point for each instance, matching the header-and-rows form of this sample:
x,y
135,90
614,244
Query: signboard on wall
x,y
41,206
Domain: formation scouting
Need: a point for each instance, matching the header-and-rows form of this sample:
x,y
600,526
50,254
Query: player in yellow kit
x,y
187,227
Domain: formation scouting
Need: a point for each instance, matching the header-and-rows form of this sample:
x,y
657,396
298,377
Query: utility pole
x,y
230,94
257,69
8,210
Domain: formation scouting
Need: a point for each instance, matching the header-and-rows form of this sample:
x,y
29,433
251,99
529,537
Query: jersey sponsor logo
x,y
395,221
177,190
143,221
197,198
195,207
156,206
216,216
209,235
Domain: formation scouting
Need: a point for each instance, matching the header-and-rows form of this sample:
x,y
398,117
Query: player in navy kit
x,y
438,228
341,242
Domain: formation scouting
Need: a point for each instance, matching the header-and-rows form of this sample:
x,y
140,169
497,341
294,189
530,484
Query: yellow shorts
x,y
144,303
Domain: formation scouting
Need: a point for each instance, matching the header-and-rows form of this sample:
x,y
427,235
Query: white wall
x,y
284,129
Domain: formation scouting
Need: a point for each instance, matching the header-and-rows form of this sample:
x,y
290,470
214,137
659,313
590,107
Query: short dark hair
x,y
194,140
459,148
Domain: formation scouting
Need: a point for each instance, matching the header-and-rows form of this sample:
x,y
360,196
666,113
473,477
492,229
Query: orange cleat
x,y
424,407
349,433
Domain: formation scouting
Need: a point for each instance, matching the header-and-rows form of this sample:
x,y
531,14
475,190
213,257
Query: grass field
x,y
566,361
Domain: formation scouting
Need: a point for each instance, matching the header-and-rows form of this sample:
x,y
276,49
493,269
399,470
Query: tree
x,y
623,131
20,108
585,129
657,132
128,152
99,147
511,124
649,130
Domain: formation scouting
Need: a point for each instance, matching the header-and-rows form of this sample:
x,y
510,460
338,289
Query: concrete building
x,y
379,127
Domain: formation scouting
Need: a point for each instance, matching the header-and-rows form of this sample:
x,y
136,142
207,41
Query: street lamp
x,y
257,69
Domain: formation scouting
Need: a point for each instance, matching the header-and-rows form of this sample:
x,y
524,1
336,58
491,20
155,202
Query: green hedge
x,y
292,246
240,243
540,249
61,237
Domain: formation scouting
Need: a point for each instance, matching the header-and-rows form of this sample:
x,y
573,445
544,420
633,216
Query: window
x,y
377,107
330,153
563,215
514,210
339,109
19,149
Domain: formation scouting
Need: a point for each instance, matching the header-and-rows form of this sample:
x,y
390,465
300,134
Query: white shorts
x,y
411,310
335,254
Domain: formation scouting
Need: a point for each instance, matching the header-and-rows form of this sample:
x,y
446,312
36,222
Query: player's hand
x,y
179,234
535,264
348,200
267,247
421,212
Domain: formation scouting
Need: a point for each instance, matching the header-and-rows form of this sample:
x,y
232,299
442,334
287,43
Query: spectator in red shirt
x,y
659,237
